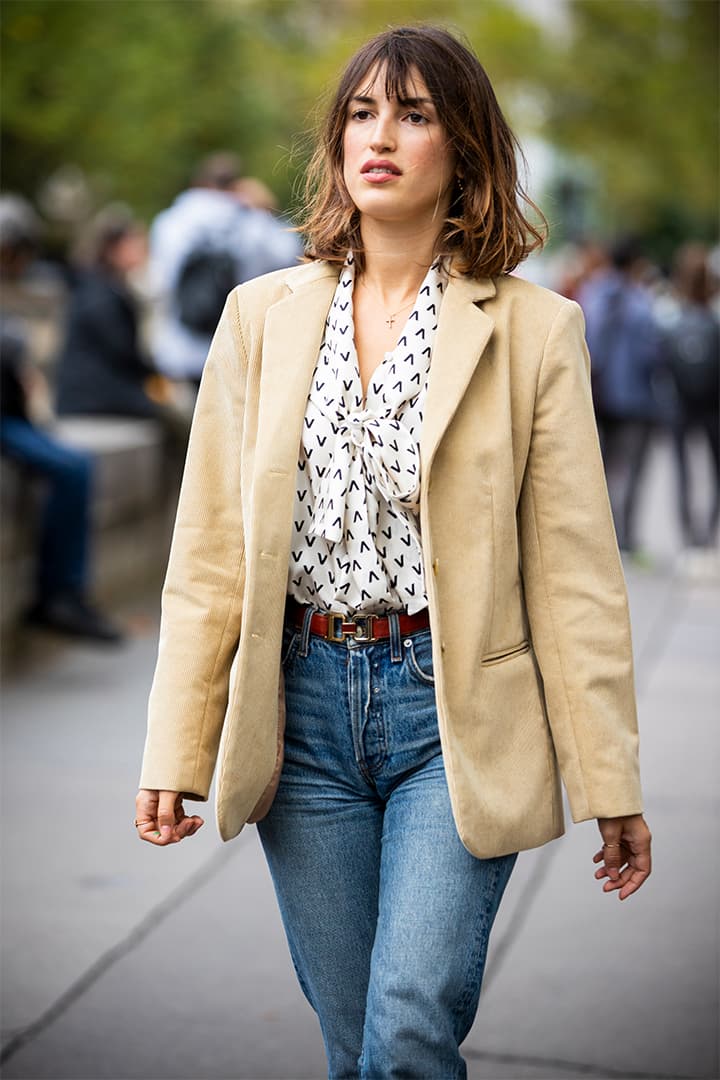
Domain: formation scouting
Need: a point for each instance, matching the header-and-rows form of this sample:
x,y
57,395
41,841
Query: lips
x,y
380,167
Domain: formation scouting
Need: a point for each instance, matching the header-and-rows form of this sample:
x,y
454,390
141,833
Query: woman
x,y
394,511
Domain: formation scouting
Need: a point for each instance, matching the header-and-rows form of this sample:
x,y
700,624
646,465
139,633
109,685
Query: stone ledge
x,y
134,494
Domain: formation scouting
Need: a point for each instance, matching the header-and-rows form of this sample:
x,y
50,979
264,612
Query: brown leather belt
x,y
338,627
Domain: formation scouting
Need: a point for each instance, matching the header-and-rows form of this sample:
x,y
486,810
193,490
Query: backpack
x,y
693,345
205,279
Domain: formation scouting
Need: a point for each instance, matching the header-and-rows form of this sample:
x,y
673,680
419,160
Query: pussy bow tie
x,y
372,442
370,447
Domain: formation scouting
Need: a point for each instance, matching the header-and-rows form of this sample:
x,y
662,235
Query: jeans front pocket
x,y
290,642
418,652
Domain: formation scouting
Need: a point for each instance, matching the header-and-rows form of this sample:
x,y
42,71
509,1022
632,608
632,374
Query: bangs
x,y
401,60
400,78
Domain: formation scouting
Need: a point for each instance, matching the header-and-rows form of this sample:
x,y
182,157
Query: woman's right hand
x,y
161,818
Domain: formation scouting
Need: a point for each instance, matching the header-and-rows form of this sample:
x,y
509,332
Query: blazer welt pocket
x,y
506,654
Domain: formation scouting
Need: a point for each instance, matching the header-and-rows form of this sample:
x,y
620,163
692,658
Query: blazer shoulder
x,y
513,289
532,312
264,291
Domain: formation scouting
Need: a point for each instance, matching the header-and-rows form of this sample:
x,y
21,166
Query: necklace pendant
x,y
390,321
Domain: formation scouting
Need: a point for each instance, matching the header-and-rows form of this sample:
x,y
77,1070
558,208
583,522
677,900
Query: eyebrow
x,y
362,100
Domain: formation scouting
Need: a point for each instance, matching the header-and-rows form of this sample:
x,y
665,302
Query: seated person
x,y
61,590
101,369
61,601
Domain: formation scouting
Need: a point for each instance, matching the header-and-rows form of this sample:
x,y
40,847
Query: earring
x,y
460,183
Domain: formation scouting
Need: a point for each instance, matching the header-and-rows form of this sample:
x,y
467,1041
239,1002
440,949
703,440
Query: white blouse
x,y
356,543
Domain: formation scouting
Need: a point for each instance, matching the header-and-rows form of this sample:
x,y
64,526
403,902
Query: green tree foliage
x,y
135,91
636,93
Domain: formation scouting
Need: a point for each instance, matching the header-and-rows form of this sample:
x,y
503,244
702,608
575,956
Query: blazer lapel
x,y
294,329
462,334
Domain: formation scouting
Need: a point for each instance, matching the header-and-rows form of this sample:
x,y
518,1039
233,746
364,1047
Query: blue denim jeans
x,y
62,564
387,915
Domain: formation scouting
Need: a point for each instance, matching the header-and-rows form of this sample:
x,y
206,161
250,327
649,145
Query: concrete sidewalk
x,y
121,961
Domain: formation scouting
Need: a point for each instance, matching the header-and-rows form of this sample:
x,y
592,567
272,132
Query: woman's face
x,y
129,252
397,164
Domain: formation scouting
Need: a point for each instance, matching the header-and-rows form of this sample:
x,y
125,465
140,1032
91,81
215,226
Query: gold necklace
x,y
390,317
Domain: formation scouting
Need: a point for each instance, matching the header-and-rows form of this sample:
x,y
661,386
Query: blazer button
x,y
435,565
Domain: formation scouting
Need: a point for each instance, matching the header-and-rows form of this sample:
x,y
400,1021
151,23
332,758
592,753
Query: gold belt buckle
x,y
364,628
332,633
363,631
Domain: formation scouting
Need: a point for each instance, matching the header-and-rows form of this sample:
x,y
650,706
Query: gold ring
x,y
148,822
612,845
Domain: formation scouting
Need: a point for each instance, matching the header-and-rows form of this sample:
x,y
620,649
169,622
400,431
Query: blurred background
x,y
152,156
114,100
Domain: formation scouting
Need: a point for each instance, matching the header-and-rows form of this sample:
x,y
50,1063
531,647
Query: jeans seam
x,y
480,946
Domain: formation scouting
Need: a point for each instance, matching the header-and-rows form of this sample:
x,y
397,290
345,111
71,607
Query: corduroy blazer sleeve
x,y
574,585
203,590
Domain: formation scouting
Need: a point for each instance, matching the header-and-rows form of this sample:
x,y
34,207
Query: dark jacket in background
x,y
692,347
12,358
625,348
100,368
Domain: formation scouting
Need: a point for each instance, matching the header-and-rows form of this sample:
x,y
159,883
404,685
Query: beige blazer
x,y
528,608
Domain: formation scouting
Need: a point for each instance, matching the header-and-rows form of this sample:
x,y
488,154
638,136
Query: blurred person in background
x,y
394,529
691,331
626,352
62,572
207,242
255,194
258,196
101,368
580,263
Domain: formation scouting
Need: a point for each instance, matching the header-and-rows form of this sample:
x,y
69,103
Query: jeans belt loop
x,y
304,647
396,652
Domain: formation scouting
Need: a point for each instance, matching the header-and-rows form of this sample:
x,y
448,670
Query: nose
x,y
383,136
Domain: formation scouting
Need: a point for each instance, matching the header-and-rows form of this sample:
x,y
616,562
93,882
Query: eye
x,y
360,114
417,119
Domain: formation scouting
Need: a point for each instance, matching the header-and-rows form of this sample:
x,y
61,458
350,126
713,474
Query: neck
x,y
397,258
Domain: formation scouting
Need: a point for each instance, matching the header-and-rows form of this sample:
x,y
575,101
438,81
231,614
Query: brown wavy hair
x,y
485,231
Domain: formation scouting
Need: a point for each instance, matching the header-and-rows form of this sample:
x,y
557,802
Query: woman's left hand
x,y
625,854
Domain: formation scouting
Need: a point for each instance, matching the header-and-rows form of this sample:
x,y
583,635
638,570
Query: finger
x,y
617,883
148,830
638,878
167,815
610,870
599,856
633,878
188,826
146,806
146,803
614,859
640,869
625,876
185,824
